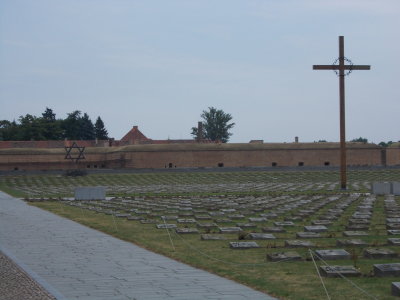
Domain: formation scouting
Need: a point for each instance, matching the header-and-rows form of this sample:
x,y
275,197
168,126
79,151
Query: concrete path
x,y
72,261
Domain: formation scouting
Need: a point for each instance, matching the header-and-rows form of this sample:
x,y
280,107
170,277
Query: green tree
x,y
87,128
48,115
71,126
384,144
51,126
360,140
8,130
30,128
216,125
100,131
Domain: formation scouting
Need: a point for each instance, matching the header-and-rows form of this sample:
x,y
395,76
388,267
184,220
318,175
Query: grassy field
x,y
251,194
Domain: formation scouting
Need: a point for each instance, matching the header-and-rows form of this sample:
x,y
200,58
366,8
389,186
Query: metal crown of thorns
x,y
350,63
78,156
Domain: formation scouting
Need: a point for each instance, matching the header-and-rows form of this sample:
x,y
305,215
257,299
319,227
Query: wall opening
x,y
16,169
274,164
103,166
327,163
95,166
88,166
220,165
170,165
301,163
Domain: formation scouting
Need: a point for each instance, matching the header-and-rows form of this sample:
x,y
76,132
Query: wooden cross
x,y
341,69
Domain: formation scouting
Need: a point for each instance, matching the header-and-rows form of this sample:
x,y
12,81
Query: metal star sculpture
x,y
75,155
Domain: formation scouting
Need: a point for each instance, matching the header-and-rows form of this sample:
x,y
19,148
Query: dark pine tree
x,y
87,128
99,129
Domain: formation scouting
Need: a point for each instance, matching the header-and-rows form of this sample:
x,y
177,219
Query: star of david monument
x,y
74,153
342,67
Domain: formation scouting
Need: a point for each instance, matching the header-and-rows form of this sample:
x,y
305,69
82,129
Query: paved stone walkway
x,y
75,262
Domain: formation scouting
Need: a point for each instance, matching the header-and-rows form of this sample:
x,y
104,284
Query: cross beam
x,y
342,67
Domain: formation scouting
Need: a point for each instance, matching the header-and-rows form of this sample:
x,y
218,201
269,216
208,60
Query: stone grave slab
x,y
228,210
273,229
236,217
392,220
246,225
396,188
330,217
394,241
216,213
359,221
186,221
134,218
387,270
270,215
285,223
293,218
230,229
336,271
243,245
298,244
258,220
147,221
90,193
393,231
321,222
356,227
381,188
284,256
395,289
212,237
166,226
316,228
186,230
379,253
355,233
169,218
332,254
393,226
308,235
122,215
260,236
351,242
223,220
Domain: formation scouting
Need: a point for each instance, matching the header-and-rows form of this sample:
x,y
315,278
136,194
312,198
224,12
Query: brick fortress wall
x,y
200,156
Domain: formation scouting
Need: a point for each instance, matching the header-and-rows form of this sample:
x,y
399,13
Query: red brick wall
x,y
184,156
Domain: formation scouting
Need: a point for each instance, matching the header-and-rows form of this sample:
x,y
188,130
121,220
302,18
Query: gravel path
x,y
15,284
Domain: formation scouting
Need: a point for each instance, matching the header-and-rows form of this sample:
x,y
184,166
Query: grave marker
x,y
379,253
243,245
336,271
284,256
332,254
385,270
261,236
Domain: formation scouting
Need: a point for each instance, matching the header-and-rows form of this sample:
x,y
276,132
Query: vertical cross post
x,y
341,68
343,164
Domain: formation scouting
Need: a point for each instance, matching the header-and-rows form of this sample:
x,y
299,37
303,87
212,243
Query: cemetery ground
x,y
271,230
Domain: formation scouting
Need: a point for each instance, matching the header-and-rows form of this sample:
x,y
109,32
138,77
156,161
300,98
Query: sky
x,y
158,64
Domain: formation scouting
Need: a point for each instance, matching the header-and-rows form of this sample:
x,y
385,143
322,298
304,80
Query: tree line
x,y
76,126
